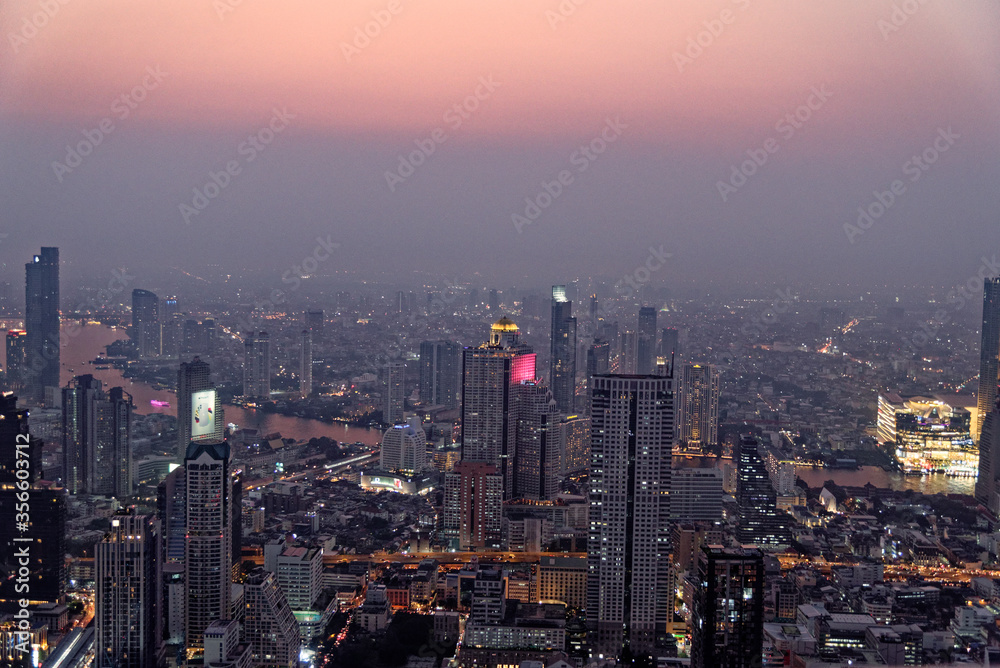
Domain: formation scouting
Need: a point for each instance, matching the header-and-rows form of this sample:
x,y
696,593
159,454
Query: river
x,y
90,341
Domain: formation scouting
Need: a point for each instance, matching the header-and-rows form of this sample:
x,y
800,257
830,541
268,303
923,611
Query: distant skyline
x,y
670,97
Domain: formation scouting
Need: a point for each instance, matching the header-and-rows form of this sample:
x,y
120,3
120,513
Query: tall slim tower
x,y
759,521
728,614
989,376
440,373
394,395
562,351
41,321
208,543
199,412
129,594
669,343
645,357
537,463
628,572
473,510
257,366
146,322
700,404
16,342
491,375
269,625
305,364
97,438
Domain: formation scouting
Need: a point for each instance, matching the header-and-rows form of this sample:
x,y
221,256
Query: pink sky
x,y
607,58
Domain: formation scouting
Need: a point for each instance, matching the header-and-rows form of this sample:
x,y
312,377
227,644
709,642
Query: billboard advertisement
x,y
202,414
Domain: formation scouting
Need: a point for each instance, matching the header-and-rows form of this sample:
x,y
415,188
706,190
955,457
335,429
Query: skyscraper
x,y
146,323
16,346
404,448
700,404
199,412
562,351
305,364
491,375
987,487
394,391
989,376
728,610
314,323
97,438
646,340
537,463
598,357
129,594
440,373
208,541
257,366
473,498
669,343
41,321
759,520
269,625
628,571
79,400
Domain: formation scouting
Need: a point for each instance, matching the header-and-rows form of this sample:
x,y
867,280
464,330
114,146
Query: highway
x,y
441,557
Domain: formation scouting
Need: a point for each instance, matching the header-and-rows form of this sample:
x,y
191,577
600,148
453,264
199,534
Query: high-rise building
x,y
146,323
700,404
394,391
630,454
16,347
987,485
440,373
989,377
199,412
404,448
538,469
257,366
128,600
598,357
41,322
696,494
97,438
473,497
314,323
645,348
208,540
491,375
562,351
305,364
669,343
574,443
269,625
760,523
299,572
728,611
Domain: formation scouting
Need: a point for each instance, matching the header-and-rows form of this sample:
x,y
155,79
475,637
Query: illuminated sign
x,y
203,414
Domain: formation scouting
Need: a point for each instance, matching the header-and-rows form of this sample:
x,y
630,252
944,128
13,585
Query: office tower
x,y
97,438
299,573
305,364
628,570
146,323
646,340
669,343
128,600
41,321
728,611
595,308
700,404
491,375
696,494
404,448
171,335
989,376
113,454
79,400
208,540
473,497
257,366
574,443
537,466
16,347
394,391
314,323
628,356
269,625
598,357
562,351
987,487
199,412
198,338
440,373
759,520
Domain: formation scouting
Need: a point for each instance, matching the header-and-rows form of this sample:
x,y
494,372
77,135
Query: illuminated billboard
x,y
203,414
